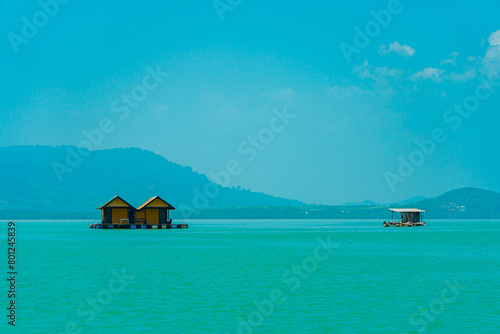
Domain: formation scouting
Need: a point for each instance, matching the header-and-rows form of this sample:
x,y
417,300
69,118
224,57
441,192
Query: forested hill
x,y
465,203
51,181
66,182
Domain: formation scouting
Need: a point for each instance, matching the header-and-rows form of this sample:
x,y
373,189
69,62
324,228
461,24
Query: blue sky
x,y
355,121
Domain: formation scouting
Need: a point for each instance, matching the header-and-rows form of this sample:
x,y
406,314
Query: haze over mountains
x,y
60,179
67,182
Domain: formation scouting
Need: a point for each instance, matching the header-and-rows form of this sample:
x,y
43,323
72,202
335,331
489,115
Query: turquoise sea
x,y
255,276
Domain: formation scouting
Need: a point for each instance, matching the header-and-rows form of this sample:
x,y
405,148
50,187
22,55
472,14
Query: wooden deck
x,y
138,226
399,224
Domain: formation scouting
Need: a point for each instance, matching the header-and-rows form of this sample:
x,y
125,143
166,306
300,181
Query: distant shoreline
x,y
377,220
466,203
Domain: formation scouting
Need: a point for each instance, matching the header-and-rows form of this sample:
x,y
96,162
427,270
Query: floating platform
x,y
407,218
138,226
399,224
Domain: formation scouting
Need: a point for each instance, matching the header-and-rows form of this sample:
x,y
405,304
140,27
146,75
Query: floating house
x,y
154,214
406,217
116,211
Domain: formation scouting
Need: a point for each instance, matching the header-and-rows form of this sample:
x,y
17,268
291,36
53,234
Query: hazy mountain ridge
x,y
363,203
28,181
465,203
30,188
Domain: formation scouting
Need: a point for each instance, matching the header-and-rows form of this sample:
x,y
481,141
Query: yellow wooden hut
x,y
154,212
117,211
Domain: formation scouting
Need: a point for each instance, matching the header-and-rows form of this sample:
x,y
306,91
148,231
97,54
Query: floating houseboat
x,y
154,214
406,217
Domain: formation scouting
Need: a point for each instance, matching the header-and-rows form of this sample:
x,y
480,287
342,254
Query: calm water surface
x,y
264,276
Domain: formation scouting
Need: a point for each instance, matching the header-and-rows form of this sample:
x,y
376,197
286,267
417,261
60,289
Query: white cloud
x,y
468,74
451,60
400,49
491,60
429,73
363,71
376,73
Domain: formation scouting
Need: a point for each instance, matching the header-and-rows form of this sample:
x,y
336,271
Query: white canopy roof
x,y
407,210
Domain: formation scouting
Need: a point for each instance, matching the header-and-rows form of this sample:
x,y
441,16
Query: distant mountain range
x,y
363,203
68,182
465,203
414,199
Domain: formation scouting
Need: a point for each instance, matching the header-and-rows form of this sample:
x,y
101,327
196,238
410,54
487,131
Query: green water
x,y
325,276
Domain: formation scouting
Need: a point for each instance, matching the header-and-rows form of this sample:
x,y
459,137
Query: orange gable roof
x,y
157,199
114,199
